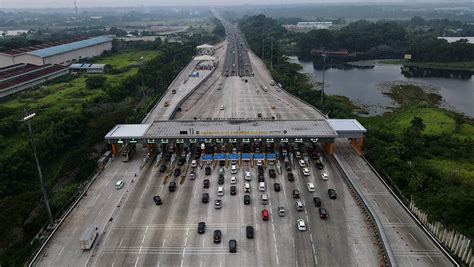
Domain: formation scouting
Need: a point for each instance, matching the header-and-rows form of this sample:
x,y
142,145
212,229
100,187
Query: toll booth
x,y
233,158
259,156
271,157
207,158
246,156
219,156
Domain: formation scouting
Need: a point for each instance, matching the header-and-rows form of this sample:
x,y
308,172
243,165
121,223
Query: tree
x,y
96,81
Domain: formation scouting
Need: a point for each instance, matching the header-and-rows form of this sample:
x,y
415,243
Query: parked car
x,y
296,194
217,236
249,231
332,194
201,227
157,200
323,213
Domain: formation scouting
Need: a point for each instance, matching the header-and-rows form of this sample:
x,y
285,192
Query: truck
x,y
88,237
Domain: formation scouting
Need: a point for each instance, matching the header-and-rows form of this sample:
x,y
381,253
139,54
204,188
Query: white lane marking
x,y
100,211
185,241
200,264
158,265
399,220
274,238
273,227
182,261
276,250
163,245
413,237
143,239
427,255
97,198
278,262
220,264
113,263
202,245
109,195
136,262
120,245
311,237
314,253
61,251
73,231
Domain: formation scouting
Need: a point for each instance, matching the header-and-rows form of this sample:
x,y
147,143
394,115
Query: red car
x,y
265,215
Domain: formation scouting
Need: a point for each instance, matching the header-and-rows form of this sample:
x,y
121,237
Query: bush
x,y
96,81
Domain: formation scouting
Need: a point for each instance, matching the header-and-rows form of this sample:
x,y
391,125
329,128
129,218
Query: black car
x,y
201,227
221,163
272,173
217,236
323,213
319,165
296,194
276,186
247,199
233,190
157,200
205,183
249,231
172,186
181,162
208,170
162,168
291,177
260,169
232,246
317,201
261,177
332,194
177,172
168,157
205,198
220,180
287,166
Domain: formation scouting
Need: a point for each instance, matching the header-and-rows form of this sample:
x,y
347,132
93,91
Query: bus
x,y
127,152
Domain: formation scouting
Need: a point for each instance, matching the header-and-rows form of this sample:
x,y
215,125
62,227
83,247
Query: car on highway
x,y
260,169
291,177
220,191
297,154
332,194
272,173
302,163
296,194
273,106
168,157
181,161
319,165
247,187
232,246
287,166
317,201
192,175
157,200
172,186
259,163
261,177
233,169
299,205
220,180
233,190
162,168
222,107
247,176
233,180
281,211
277,187
218,203
201,227
208,170
166,104
323,213
247,199
217,236
194,163
177,172
324,176
265,215
305,171
249,232
173,92
205,198
205,183
301,225
311,187
119,184
259,115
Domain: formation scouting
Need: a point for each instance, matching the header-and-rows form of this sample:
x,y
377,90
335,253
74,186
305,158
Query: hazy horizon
x,y
22,4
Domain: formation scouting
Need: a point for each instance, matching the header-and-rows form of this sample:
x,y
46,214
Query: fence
x,y
459,244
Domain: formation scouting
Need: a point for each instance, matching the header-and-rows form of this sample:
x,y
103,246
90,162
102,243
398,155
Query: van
x,y
220,191
264,199
119,184
261,186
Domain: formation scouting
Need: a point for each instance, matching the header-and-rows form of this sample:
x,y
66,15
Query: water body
x,y
364,86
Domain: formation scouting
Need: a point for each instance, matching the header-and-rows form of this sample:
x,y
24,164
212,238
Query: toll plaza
x,y
247,135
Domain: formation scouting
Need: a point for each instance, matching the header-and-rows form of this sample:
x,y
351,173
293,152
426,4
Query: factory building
x,y
60,52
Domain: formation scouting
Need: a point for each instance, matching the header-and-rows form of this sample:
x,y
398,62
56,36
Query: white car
x,y
301,225
302,163
305,171
247,187
247,176
324,176
233,169
259,163
311,187
119,184
297,155
233,180
222,107
194,163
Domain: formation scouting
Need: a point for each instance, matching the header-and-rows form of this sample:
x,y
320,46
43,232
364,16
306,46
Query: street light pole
x,y
27,118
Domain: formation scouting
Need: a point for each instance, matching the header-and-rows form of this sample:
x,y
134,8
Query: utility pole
x,y
324,71
27,118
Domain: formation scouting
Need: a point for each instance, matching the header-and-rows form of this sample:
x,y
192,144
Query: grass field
x,y
126,58
466,65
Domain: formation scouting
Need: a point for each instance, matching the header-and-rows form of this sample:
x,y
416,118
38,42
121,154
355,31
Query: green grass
x,y
449,168
465,65
126,58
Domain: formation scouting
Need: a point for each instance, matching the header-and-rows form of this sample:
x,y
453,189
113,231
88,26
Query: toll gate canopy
x,y
235,131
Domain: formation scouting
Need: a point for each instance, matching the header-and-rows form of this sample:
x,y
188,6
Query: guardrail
x,y
389,258
437,242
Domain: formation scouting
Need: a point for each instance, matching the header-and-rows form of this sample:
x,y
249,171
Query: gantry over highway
x,y
205,149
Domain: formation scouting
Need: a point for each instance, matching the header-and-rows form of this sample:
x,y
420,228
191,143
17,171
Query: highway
x,y
137,232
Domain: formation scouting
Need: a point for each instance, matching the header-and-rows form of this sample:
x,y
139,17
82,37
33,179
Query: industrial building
x,y
60,52
205,49
18,77
88,68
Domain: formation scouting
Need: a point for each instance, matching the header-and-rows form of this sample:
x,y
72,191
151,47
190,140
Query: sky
x,y
118,3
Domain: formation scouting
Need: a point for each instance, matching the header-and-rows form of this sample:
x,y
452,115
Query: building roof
x,y
204,46
16,76
26,49
85,66
347,128
128,131
204,58
63,48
